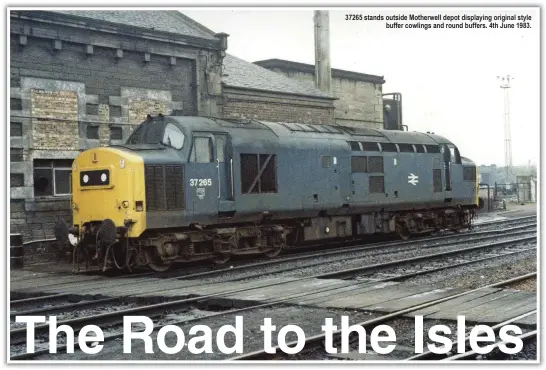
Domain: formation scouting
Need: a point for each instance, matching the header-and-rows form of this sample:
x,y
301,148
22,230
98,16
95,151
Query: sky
x,y
447,77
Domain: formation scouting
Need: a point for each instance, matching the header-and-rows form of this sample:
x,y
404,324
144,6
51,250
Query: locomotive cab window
x,y
155,132
455,156
201,151
173,136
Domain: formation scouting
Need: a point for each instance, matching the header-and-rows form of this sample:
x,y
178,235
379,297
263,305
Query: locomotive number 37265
x,y
200,182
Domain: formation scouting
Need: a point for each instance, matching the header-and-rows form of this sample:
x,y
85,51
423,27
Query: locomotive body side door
x,y
202,177
224,165
446,156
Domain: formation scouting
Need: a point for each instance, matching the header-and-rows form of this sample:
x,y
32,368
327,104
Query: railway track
x,y
68,302
316,341
322,257
115,318
429,355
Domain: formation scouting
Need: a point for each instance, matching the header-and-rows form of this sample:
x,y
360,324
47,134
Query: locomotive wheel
x,y
273,252
220,259
403,232
154,263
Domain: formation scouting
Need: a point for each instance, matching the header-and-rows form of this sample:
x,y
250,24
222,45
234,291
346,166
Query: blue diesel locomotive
x,y
192,188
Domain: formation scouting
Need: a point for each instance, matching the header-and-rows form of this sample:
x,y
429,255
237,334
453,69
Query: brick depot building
x,y
81,79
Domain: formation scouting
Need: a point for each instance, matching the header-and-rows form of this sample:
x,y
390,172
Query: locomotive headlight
x,y
125,204
327,230
122,163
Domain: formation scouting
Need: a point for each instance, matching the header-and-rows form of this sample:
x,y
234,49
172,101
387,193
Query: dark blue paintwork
x,y
305,188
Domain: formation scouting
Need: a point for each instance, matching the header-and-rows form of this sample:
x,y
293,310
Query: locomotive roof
x,y
265,129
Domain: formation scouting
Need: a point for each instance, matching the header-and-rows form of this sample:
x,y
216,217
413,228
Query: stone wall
x,y
359,103
276,107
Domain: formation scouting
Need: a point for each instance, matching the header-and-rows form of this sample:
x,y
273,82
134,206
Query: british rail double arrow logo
x,y
413,179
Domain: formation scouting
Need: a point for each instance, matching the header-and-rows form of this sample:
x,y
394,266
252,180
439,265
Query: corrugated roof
x,y
160,20
248,75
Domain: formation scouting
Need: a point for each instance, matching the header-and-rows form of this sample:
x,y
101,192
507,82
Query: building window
x,y
16,154
16,180
116,133
52,177
15,129
93,132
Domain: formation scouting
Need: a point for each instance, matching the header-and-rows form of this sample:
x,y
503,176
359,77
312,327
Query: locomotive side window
x,y
202,150
420,148
173,136
359,164
268,180
469,173
455,156
432,148
369,147
355,146
375,164
220,147
406,148
388,147
325,161
258,173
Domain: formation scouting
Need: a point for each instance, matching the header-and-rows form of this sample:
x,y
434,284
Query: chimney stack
x,y
323,73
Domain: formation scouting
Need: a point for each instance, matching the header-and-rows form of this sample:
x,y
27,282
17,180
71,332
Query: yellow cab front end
x,y
108,183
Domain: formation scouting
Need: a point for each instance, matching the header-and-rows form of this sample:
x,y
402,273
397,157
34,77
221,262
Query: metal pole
x,y
505,85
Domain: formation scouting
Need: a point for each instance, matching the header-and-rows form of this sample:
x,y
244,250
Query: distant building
x,y
254,92
359,95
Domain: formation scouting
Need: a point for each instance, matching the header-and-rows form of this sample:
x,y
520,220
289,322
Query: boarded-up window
x,y
437,180
359,165
377,184
16,154
375,164
16,180
116,133
469,173
93,132
15,129
258,173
